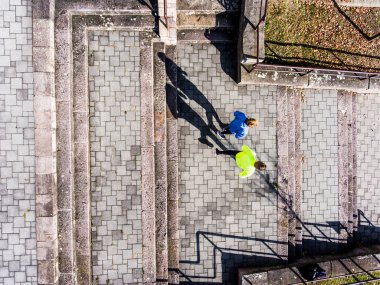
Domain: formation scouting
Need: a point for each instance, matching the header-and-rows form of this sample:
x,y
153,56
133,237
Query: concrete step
x,y
172,162
190,19
147,164
298,170
294,171
210,5
291,172
282,173
266,74
160,162
354,168
347,167
205,35
351,98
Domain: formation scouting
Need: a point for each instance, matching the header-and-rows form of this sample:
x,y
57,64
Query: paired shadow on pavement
x,y
179,101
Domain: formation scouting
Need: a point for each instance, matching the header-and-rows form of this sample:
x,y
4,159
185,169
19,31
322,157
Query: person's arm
x,y
240,116
247,172
239,135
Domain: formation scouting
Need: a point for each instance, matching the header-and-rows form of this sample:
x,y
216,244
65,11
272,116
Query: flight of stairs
x,y
159,124
160,153
289,170
347,134
290,159
205,22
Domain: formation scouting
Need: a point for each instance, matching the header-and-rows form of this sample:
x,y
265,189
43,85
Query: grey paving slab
x,y
368,151
319,170
115,157
219,214
18,260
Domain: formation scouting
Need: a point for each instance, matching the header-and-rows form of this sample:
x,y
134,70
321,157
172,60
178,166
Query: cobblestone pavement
x,y
17,200
222,209
320,169
368,145
115,157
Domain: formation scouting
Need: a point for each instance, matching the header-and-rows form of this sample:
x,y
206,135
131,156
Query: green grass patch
x,y
321,34
351,279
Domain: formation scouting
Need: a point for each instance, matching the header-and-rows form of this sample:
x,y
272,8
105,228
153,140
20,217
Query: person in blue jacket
x,y
239,126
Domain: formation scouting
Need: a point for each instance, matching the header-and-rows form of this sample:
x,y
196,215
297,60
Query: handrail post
x,y
166,13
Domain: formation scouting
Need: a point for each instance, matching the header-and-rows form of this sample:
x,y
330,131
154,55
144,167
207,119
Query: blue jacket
x,y
238,127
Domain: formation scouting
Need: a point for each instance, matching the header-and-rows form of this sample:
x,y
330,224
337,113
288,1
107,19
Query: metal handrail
x,y
263,14
305,70
166,12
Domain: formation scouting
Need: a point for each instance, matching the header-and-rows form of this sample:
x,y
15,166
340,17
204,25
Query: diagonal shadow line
x,y
195,94
348,270
307,61
221,250
205,234
362,268
290,209
361,214
321,48
344,14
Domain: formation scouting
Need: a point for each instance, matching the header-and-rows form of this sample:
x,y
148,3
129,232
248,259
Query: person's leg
x,y
226,131
223,132
227,152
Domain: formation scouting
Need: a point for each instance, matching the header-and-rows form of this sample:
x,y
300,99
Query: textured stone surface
x,y
282,132
160,159
234,213
115,157
207,5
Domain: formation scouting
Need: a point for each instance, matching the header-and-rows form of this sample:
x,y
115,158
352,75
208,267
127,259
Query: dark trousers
x,y
226,131
229,152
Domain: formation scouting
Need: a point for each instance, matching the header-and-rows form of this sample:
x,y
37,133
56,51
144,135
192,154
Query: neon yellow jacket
x,y
246,160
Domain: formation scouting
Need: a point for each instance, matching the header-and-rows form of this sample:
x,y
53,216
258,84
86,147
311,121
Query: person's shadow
x,y
176,101
190,92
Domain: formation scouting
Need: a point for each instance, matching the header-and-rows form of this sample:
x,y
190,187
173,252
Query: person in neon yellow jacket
x,y
245,159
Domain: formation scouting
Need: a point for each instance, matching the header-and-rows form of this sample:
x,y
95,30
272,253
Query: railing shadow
x,y
277,58
368,233
230,258
315,243
352,22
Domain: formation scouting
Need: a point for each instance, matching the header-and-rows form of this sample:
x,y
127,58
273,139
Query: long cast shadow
x,y
176,101
309,62
348,18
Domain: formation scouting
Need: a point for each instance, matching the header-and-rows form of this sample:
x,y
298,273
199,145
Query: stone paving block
x,y
320,181
367,162
211,196
116,164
